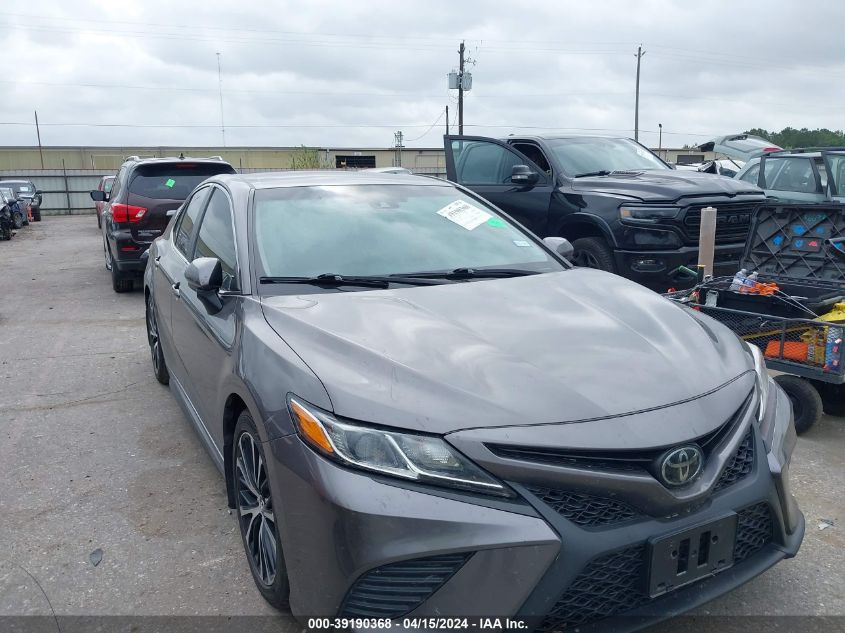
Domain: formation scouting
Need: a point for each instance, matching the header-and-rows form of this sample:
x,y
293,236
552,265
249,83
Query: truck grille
x,y
615,583
732,222
391,591
582,509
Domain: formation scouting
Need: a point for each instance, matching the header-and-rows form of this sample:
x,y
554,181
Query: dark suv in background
x,y
144,194
623,208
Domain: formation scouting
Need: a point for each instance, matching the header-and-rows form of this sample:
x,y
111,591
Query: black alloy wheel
x,y
159,366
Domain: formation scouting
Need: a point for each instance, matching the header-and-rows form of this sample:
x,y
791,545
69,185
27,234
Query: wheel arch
x,y
232,409
585,225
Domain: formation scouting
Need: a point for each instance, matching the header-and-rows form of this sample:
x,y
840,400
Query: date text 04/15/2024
x,y
430,623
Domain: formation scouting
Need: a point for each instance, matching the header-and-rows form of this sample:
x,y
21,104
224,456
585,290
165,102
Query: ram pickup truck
x,y
623,208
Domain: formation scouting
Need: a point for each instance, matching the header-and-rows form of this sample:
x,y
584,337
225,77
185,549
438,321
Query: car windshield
x,y
579,156
24,189
362,230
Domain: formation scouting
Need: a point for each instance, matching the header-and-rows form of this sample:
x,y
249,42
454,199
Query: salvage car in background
x,y
422,409
742,147
795,175
144,194
28,195
623,208
105,186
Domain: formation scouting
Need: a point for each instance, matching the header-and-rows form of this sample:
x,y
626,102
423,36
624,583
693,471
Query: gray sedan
x,y
422,409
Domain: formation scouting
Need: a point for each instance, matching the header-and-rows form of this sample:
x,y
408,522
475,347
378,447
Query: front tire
x,y
36,214
256,508
17,220
806,401
593,252
153,338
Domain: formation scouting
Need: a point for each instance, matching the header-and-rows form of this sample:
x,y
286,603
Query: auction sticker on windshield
x,y
464,214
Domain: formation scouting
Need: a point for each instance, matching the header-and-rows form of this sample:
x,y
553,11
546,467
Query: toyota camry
x,y
420,408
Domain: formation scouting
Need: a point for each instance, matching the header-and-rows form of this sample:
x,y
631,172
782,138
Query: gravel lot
x,y
94,453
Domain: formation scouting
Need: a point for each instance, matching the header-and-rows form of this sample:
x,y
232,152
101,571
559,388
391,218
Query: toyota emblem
x,y
681,466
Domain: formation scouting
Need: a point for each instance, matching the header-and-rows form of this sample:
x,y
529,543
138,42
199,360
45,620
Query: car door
x,y
485,165
169,261
204,339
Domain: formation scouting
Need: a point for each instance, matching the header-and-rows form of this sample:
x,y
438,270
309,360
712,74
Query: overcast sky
x,y
346,74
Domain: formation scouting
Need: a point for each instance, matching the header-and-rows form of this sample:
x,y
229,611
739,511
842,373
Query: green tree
x,y
790,137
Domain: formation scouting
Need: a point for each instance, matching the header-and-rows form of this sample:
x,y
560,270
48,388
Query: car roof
x,y
173,159
279,179
5,181
558,137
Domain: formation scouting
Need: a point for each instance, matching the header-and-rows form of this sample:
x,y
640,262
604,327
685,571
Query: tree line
x,y
790,137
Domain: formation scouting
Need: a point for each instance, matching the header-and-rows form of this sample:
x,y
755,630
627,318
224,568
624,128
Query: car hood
x,y
664,185
558,347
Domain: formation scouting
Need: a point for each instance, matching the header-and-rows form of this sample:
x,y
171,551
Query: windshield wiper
x,y
603,172
331,279
473,273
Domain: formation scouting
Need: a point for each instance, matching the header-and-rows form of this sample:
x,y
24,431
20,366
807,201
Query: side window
x,y
751,174
797,175
535,155
216,238
188,220
483,162
115,189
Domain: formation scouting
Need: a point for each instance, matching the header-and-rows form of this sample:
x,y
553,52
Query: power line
x,y
436,121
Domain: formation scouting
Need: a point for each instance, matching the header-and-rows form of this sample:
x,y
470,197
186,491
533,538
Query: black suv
x,y
623,208
145,194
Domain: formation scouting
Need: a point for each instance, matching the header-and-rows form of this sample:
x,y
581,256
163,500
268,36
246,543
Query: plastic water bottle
x,y
738,280
749,283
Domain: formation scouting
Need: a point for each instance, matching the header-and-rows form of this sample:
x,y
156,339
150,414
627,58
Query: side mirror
x,y
560,245
205,276
98,196
522,175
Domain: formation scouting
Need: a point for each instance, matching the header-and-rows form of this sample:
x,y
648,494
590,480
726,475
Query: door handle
x,y
175,289
156,260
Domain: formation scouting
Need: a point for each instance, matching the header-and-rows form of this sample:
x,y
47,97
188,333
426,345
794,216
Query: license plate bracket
x,y
689,555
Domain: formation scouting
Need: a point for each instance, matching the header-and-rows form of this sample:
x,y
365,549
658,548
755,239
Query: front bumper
x,y
352,543
655,269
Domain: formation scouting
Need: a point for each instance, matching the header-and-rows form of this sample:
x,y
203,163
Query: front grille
x,y
391,591
739,465
618,460
615,583
582,509
753,531
732,222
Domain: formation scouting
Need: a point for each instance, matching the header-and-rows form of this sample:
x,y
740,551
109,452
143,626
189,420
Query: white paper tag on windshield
x,y
464,214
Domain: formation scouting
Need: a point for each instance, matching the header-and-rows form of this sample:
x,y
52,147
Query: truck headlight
x,y
633,212
421,458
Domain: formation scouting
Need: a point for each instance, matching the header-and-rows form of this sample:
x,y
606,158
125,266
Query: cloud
x,y
349,74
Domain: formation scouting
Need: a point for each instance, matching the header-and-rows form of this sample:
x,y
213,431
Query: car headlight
x,y
421,458
762,379
632,212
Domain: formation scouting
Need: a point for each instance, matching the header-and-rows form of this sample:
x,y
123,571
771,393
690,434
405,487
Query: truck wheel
x,y
593,252
806,401
17,219
36,214
833,398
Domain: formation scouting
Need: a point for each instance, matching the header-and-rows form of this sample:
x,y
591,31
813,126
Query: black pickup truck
x,y
623,208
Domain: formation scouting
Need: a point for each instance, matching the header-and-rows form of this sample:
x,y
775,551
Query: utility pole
x,y
447,120
660,140
220,90
461,89
398,137
38,134
640,53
